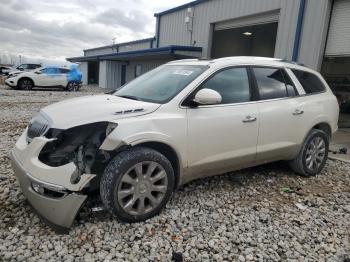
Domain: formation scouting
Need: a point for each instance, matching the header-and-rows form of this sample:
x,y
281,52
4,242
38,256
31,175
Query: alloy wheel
x,y
142,188
315,153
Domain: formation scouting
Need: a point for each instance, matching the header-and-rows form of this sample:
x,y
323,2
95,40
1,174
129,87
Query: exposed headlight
x,y
38,126
110,128
14,75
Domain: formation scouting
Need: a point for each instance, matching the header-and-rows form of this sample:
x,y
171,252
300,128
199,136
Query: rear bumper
x,y
47,189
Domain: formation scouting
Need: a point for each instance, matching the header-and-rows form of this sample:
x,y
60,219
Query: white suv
x,y
182,121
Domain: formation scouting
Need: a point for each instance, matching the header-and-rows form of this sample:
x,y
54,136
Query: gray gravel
x,y
249,215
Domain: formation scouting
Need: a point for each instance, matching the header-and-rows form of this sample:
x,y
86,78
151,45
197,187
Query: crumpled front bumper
x,y
61,209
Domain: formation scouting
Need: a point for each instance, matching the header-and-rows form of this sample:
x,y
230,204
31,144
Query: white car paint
x,y
207,139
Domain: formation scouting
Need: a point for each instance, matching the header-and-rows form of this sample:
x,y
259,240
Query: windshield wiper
x,y
130,97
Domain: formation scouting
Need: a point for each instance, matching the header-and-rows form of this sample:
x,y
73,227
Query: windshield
x,y
161,84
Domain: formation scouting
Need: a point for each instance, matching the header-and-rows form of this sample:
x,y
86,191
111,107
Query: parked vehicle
x,y
182,121
62,77
5,69
21,68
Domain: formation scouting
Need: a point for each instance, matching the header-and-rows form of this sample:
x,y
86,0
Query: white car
x,y
182,121
62,77
21,68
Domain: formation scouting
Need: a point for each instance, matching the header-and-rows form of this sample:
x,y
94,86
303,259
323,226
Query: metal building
x,y
312,32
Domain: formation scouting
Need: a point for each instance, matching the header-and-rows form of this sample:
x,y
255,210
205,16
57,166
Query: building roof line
x,y
167,49
184,6
122,44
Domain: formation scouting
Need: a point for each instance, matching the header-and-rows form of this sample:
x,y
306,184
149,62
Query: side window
x,y
270,83
63,70
232,84
310,82
50,71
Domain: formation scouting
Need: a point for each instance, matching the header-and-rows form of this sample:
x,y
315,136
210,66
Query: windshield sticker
x,y
183,72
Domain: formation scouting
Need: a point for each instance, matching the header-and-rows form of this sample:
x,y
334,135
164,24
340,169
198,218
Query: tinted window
x,y
270,83
50,70
232,84
310,82
64,70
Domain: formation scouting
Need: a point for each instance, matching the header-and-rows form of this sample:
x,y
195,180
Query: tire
x,y
25,84
72,86
302,163
123,189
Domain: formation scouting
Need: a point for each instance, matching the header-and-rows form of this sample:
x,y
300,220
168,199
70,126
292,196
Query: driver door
x,y
223,137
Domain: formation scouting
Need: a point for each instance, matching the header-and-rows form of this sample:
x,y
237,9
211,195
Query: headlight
x,y
110,128
38,126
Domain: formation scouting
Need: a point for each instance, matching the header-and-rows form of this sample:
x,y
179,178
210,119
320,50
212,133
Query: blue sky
x,y
59,29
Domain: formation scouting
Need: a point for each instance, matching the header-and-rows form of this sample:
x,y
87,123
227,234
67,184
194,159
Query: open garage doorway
x,y
93,72
336,71
255,40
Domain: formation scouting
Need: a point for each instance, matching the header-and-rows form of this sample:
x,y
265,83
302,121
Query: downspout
x,y
298,30
158,30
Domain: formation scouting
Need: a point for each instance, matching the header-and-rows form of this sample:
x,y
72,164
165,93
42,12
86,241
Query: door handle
x,y
249,119
298,112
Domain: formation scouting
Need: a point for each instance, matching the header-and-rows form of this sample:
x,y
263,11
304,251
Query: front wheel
x,y
25,84
313,154
137,184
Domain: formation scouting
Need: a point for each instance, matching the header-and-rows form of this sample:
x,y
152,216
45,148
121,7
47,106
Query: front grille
x,y
37,127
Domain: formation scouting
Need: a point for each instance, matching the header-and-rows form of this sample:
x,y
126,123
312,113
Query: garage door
x,y
259,19
339,32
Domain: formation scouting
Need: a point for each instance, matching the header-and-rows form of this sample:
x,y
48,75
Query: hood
x,y
96,108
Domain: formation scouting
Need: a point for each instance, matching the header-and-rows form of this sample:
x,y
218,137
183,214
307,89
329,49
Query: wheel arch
x,y
25,77
325,127
169,152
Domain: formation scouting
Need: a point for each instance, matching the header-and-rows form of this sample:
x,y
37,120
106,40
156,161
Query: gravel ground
x,y
250,215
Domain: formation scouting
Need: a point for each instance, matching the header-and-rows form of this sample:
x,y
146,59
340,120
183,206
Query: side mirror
x,y
207,97
37,72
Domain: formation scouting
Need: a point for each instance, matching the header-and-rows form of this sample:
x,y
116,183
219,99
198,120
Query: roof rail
x,y
291,62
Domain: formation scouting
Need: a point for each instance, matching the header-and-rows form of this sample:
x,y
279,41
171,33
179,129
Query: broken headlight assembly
x,y
79,145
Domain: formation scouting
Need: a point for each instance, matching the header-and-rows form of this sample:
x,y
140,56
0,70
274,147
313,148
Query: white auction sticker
x,y
183,72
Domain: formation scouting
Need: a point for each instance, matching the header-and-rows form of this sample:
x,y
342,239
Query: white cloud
x,y
55,30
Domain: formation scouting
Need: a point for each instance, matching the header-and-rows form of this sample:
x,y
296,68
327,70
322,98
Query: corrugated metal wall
x,y
102,51
121,48
84,71
113,74
134,47
173,29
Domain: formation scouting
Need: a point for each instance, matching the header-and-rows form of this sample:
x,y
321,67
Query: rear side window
x,y
64,70
310,82
271,83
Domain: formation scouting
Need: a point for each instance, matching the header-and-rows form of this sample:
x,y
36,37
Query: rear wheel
x,y
72,86
137,184
313,154
25,84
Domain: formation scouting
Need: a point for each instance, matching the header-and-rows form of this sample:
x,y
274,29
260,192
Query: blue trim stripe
x,y
298,31
172,10
167,50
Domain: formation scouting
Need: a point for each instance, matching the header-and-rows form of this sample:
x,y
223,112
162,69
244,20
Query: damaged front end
x,y
57,168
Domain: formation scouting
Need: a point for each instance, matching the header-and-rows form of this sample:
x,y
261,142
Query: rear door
x,y
282,119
